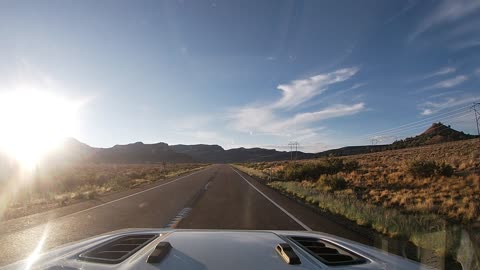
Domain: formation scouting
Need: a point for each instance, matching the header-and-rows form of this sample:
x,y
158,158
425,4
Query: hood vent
x,y
326,252
118,249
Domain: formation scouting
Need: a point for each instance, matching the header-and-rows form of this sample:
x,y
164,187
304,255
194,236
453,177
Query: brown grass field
x,y
382,193
383,179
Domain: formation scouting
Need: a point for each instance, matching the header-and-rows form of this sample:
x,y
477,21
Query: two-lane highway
x,y
217,197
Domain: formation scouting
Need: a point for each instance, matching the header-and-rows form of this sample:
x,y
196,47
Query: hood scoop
x,y
327,252
118,249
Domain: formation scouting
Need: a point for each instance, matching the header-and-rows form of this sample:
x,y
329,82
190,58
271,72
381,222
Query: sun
x,y
34,123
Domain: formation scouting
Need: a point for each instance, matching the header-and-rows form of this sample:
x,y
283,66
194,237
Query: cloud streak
x,y
441,72
273,118
449,83
265,121
299,91
429,108
447,11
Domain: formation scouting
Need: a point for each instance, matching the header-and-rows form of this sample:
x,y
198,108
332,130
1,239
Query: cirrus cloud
x,y
448,83
446,12
299,91
274,118
429,108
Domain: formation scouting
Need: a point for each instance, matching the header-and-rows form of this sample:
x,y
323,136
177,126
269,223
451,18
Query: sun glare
x,y
34,123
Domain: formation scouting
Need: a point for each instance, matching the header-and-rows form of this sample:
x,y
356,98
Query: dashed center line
x,y
185,211
181,215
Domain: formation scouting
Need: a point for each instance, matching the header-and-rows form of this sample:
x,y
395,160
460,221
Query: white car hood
x,y
214,249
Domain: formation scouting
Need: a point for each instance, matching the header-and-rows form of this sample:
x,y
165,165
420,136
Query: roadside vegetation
x,y
59,186
409,193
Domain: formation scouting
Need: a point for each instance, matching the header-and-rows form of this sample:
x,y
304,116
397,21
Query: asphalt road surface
x,y
218,197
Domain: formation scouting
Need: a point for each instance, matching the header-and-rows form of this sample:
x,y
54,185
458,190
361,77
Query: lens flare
x,y
38,249
33,123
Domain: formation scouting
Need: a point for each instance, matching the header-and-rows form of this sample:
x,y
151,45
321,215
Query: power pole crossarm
x,y
293,145
477,115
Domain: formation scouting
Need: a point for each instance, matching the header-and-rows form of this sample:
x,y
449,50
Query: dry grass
x,y
52,187
383,179
384,195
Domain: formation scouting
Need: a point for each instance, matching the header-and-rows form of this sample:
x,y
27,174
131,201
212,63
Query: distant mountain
x,y
216,154
75,151
200,152
139,153
437,133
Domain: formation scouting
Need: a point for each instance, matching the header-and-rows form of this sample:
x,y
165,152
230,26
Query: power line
x,y
440,128
450,118
416,126
416,123
477,115
421,125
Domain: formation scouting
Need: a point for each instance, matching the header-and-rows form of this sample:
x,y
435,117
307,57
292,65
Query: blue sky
x,y
248,73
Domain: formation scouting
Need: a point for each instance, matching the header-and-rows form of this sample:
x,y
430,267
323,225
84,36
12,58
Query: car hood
x,y
213,249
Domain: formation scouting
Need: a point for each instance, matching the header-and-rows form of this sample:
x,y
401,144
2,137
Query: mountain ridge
x,y
74,150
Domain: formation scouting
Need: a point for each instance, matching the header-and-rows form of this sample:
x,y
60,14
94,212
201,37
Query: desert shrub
x,y
304,171
334,165
351,166
422,168
428,168
331,182
444,170
311,171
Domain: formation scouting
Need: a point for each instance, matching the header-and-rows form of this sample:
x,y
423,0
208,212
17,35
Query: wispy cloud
x,y
330,112
408,6
299,91
437,73
273,118
441,72
446,12
449,93
265,121
465,44
355,86
429,107
448,83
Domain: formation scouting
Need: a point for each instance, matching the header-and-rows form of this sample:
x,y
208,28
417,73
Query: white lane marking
x,y
185,211
181,215
274,203
131,195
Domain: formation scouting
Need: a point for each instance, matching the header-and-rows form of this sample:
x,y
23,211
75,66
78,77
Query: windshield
x,y
359,119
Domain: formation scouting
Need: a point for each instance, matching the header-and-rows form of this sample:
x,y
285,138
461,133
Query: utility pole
x,y
477,118
296,150
292,146
477,115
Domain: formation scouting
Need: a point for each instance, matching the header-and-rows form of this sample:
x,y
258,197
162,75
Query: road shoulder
x,y
25,222
313,217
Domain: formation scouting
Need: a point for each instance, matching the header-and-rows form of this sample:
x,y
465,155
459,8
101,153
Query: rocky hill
x,y
437,133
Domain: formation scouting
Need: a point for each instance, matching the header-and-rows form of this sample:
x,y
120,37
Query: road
x,y
218,197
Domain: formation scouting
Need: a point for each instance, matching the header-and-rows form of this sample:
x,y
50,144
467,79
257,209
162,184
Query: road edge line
x,y
128,196
274,203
